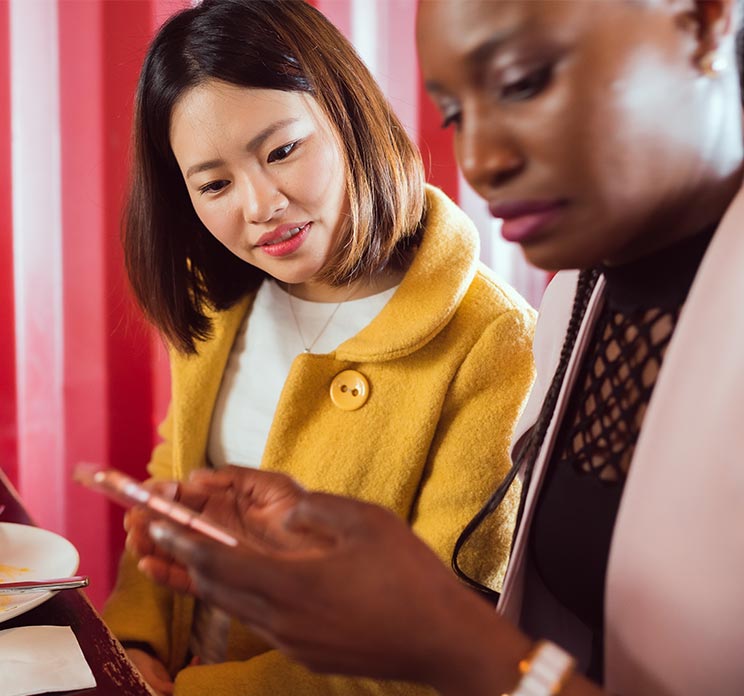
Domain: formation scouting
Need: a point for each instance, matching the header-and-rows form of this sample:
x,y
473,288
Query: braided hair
x,y
526,457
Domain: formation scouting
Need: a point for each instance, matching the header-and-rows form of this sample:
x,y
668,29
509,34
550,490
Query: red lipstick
x,y
285,239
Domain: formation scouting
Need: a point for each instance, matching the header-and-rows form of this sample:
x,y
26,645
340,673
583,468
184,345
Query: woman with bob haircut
x,y
608,138
326,312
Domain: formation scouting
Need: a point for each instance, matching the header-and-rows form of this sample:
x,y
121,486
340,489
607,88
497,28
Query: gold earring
x,y
711,64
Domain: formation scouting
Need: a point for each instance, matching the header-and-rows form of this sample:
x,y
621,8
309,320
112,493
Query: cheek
x,y
216,219
320,183
640,140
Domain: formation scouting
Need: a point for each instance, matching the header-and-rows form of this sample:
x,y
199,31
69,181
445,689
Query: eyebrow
x,y
488,47
253,144
477,55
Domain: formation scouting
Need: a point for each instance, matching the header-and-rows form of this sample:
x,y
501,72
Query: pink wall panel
x,y
8,425
83,182
107,346
116,385
37,264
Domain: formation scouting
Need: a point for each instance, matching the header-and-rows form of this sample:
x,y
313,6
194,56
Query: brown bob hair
x,y
178,270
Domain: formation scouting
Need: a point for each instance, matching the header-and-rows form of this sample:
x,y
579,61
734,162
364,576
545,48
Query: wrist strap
x,y
544,671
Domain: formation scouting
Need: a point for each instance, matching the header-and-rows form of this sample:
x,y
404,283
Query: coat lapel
x,y
437,280
678,548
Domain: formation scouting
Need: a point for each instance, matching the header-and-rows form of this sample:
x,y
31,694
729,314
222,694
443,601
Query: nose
x,y
488,153
261,197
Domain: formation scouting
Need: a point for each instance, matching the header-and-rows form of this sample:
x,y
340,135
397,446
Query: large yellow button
x,y
349,390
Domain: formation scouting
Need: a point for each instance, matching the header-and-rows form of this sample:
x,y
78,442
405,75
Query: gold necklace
x,y
309,348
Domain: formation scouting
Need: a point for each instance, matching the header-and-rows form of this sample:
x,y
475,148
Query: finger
x,y
258,486
152,670
179,492
326,515
126,521
159,678
167,573
138,541
246,585
251,609
219,478
194,495
165,489
161,686
253,571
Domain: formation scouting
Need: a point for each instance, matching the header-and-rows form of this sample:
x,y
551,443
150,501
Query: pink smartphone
x,y
126,491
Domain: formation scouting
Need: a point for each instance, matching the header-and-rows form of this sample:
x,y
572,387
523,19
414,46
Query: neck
x,y
363,287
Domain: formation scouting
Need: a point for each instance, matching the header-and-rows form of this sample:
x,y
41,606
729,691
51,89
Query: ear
x,y
713,21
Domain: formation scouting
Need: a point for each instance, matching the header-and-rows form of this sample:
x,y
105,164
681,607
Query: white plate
x,y
30,553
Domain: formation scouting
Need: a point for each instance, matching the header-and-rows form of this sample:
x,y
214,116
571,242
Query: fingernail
x,y
157,531
169,490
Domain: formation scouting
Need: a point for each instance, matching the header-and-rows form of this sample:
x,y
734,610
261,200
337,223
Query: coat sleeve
x,y
470,453
138,610
272,673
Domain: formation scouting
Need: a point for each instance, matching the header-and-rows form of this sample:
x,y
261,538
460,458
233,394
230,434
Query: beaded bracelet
x,y
544,671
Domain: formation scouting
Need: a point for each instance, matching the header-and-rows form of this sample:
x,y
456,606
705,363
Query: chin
x,y
552,260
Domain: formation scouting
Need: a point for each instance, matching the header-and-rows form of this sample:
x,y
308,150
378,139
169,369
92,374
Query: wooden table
x,y
114,673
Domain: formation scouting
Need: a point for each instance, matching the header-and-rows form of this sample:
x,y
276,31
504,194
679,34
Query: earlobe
x,y
711,24
712,64
714,23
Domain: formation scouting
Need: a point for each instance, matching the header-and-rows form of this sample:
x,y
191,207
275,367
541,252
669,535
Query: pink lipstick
x,y
524,220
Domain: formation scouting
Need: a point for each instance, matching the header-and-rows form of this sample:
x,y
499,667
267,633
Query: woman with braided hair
x,y
608,138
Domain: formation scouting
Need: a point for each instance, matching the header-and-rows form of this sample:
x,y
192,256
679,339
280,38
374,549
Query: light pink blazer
x,y
674,605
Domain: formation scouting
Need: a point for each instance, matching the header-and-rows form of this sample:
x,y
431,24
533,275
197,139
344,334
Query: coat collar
x,y
677,540
431,290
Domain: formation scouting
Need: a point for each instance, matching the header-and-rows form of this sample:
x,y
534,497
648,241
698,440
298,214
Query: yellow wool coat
x,y
449,364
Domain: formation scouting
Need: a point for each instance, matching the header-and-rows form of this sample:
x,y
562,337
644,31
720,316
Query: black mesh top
x,y
578,504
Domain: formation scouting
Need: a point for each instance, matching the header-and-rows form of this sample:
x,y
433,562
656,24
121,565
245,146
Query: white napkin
x,y
37,659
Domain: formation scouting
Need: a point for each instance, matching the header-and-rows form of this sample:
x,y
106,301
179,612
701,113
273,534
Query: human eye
x,y
282,152
526,86
213,186
450,111
449,118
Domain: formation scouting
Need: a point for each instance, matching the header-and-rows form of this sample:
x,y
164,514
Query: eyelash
x,y
449,119
281,153
210,187
528,86
523,89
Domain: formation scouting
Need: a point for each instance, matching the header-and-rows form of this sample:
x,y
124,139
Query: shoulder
x,y
502,297
491,303
554,315
550,331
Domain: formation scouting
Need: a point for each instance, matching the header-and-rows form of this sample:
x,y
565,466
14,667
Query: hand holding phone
x,y
126,491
